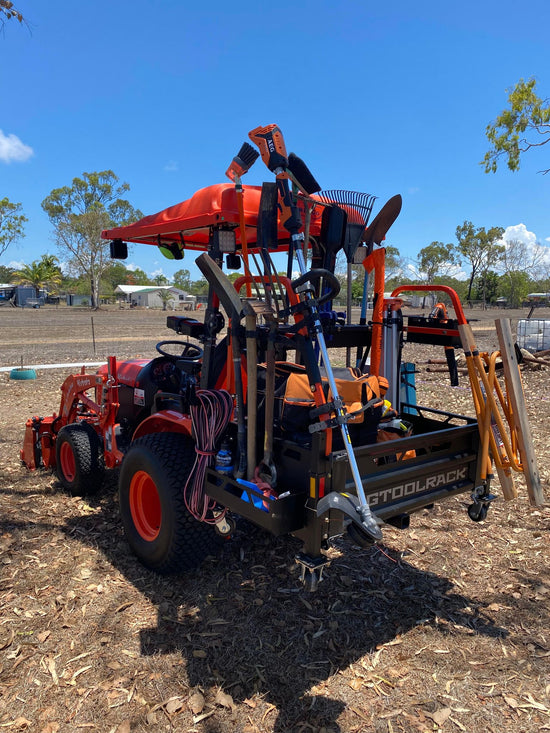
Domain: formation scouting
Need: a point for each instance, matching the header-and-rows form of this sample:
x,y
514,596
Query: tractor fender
x,y
165,421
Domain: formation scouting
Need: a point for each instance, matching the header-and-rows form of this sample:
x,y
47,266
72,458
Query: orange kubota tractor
x,y
244,414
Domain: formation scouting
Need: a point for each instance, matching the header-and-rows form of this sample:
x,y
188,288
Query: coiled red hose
x,y
210,416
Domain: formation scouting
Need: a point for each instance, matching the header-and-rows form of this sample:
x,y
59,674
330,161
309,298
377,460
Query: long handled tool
x,y
493,432
519,410
253,309
241,164
376,261
266,469
375,234
267,239
228,297
273,151
299,171
502,416
356,208
251,388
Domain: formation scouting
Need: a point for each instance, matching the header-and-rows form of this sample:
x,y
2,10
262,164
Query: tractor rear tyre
x,y
79,462
158,526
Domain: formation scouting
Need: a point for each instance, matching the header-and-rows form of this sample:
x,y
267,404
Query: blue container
x,y
408,387
224,461
257,501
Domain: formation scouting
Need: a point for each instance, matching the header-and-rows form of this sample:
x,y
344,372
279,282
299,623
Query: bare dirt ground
x,y
444,627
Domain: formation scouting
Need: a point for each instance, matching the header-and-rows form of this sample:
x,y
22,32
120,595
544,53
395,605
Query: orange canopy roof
x,y
192,219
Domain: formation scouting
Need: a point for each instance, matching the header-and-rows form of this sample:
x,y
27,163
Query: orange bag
x,y
361,395
386,433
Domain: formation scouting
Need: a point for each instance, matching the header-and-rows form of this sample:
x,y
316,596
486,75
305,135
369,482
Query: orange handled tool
x,y
241,164
270,141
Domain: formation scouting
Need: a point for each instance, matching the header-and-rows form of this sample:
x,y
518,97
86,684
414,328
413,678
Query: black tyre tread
x,y
183,542
86,447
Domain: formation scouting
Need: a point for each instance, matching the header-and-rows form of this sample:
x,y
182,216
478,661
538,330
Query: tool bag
x,y
395,430
363,397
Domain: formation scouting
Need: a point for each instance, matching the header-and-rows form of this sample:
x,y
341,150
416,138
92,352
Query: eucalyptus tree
x,y
523,125
481,248
12,223
79,213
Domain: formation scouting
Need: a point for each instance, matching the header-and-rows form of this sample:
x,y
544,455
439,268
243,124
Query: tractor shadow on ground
x,y
244,623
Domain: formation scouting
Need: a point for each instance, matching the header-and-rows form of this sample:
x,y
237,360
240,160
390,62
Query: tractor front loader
x,y
80,440
247,415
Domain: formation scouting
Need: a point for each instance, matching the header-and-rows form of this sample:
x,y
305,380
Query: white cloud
x,y
156,273
16,264
12,149
460,274
519,232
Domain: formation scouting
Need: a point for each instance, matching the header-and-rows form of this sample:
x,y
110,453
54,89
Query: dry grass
x,y
443,627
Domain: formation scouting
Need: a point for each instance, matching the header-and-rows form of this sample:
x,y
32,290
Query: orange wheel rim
x,y
67,460
145,505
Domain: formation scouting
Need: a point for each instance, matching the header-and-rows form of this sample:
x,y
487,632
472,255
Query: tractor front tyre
x,y
160,530
79,463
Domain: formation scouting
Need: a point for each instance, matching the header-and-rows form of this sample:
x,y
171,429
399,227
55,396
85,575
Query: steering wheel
x,y
329,280
189,351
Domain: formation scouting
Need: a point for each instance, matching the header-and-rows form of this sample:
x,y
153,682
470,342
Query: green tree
x,y
79,285
115,274
357,286
182,279
393,263
480,248
515,286
521,259
166,296
41,274
233,276
12,223
138,277
79,213
6,274
459,286
437,260
486,286
523,125
199,287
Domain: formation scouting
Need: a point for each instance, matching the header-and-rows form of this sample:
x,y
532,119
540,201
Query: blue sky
x,y
383,98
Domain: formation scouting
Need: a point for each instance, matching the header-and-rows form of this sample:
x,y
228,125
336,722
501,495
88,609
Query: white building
x,y
149,296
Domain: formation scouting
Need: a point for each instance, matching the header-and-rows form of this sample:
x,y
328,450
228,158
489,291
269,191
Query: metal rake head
x,y
358,207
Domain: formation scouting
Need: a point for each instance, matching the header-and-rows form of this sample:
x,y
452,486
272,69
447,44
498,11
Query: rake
x,y
358,207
